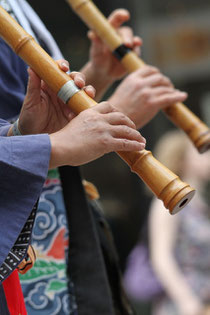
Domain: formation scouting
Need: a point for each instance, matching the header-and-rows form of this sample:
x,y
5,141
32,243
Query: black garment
x,y
3,303
93,261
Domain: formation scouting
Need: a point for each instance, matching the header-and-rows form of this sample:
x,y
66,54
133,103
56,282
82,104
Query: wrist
x,y
97,76
56,152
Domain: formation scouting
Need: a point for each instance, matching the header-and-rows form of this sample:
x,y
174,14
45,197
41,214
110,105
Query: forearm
x,y
97,79
174,282
162,233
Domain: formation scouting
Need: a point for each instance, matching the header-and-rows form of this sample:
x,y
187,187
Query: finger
x,y
137,50
93,36
146,70
127,133
160,90
169,99
63,64
104,108
127,145
71,116
126,34
34,82
90,90
118,17
117,118
79,78
137,41
157,79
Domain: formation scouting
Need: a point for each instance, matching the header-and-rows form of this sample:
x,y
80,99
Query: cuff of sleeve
x,y
4,130
23,174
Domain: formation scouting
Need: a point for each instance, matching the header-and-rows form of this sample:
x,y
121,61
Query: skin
x,y
195,170
146,92
142,93
75,140
43,111
93,133
103,69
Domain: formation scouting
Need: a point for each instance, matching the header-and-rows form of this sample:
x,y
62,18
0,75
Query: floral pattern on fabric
x,y
46,287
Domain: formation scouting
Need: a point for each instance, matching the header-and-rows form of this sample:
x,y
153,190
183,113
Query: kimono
x,y
22,171
76,271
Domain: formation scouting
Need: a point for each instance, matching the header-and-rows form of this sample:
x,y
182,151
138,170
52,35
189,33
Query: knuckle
x,y
155,69
152,69
111,108
122,117
105,140
145,94
125,144
127,131
139,83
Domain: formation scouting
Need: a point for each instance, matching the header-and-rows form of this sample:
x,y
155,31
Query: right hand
x,y
143,93
94,132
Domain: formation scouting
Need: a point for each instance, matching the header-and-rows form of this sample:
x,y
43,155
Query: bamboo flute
x,y
167,186
178,113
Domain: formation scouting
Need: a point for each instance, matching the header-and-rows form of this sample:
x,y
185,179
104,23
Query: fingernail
x,y
80,81
65,65
129,44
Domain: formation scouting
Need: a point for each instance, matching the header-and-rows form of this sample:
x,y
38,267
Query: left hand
x,y
43,111
102,61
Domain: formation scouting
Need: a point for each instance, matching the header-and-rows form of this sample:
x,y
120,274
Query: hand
x,y
93,133
206,310
143,93
100,55
191,306
43,111
103,68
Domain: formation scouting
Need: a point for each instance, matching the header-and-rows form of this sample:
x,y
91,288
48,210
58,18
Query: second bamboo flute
x,y
178,113
165,185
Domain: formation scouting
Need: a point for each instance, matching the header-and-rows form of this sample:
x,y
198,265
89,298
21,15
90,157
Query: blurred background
x,y
176,39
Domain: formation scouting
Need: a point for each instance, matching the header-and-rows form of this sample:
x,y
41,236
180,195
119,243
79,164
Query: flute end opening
x,y
183,201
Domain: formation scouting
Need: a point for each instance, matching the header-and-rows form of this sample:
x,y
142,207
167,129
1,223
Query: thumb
x,y
34,86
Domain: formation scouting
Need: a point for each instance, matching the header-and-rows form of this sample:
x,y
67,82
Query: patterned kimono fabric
x,y
46,287
11,295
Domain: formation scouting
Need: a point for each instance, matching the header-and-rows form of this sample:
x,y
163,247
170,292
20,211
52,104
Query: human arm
x,y
93,133
103,69
162,236
143,93
24,161
42,110
23,171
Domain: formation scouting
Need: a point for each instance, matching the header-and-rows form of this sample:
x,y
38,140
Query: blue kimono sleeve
x,y
4,127
13,82
24,164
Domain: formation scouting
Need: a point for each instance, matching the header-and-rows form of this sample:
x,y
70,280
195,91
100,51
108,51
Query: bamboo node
x,y
22,42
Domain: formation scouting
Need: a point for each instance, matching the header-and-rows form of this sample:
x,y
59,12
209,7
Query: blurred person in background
x,y
140,96
179,245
